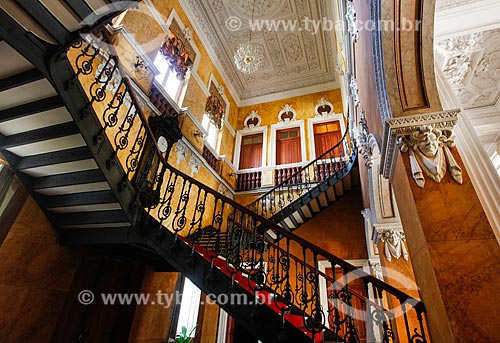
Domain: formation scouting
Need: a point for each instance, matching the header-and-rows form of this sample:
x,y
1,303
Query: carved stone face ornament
x,y
429,152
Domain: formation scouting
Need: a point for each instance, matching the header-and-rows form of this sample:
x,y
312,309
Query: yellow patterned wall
x,y
149,34
304,106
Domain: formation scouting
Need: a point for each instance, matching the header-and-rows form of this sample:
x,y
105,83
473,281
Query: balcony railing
x,y
229,233
209,157
293,183
248,181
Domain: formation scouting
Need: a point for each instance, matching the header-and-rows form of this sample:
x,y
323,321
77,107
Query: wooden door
x,y
326,136
288,148
251,151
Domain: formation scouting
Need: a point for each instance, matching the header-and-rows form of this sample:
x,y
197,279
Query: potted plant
x,y
184,337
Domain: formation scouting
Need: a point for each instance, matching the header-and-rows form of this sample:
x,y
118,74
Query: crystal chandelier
x,y
249,57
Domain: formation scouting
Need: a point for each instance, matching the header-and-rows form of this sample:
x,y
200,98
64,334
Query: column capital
x,y
427,138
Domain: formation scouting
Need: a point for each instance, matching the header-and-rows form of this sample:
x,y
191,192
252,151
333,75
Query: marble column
x,y
454,252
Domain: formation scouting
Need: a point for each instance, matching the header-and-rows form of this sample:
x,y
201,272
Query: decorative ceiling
x,y
294,58
447,4
471,64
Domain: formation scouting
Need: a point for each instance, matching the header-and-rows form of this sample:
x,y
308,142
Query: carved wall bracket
x,y
363,139
394,239
430,136
181,150
429,152
195,164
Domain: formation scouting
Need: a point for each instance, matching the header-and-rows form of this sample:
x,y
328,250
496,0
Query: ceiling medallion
x,y
248,58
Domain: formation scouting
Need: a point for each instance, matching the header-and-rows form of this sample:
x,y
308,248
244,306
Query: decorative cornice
x,y
404,126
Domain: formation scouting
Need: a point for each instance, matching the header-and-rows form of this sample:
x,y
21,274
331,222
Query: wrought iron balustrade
x,y
226,232
292,183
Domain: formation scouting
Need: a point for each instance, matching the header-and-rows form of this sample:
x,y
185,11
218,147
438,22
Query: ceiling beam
x,y
39,135
78,199
27,44
20,79
50,158
88,218
79,7
98,236
68,179
30,108
45,19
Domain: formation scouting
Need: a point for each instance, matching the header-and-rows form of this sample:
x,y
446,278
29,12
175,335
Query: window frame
x,y
322,120
288,125
207,125
237,149
181,88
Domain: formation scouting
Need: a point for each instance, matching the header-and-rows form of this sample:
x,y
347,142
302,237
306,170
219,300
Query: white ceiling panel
x,y
86,187
61,168
36,121
26,93
17,63
50,145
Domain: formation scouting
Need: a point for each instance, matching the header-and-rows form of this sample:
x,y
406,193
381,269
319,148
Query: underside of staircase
x,y
53,136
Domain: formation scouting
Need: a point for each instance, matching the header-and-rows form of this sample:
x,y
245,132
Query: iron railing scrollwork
x,y
287,271
292,183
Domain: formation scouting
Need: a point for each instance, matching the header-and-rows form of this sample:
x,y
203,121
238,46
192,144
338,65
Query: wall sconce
x,y
139,63
198,133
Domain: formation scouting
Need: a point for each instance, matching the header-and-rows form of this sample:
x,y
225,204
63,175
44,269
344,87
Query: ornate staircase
x,y
311,189
123,192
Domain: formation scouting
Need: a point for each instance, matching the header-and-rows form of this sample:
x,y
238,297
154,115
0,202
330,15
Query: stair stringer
x,y
259,319
314,193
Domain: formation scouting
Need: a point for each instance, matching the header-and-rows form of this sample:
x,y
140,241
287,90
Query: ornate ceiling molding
x,y
470,64
447,4
295,59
